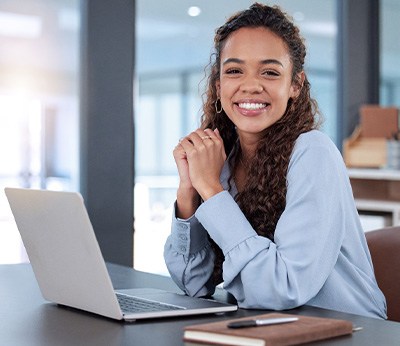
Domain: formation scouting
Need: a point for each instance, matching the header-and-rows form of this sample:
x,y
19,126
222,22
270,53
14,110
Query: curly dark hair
x,y
263,198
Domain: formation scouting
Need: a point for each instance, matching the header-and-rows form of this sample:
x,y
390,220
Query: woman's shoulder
x,y
315,139
316,145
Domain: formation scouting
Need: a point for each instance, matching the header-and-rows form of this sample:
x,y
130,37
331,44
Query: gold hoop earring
x,y
216,106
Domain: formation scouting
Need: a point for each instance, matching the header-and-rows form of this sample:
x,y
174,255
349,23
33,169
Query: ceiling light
x,y
324,29
194,11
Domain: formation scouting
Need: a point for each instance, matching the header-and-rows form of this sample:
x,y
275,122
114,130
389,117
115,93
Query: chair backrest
x,y
384,245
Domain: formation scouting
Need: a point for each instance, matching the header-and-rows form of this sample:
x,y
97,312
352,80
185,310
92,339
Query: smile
x,y
252,106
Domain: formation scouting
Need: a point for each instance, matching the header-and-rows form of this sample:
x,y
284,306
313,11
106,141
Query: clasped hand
x,y
200,157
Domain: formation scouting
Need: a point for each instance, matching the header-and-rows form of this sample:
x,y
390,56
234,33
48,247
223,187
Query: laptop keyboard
x,y
130,304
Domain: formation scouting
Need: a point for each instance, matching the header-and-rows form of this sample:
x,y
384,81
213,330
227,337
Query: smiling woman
x,y
252,208
172,49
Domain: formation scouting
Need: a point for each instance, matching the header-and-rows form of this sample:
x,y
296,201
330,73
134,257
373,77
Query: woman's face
x,y
255,80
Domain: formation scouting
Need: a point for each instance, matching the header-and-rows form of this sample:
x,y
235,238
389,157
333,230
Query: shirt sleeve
x,y
291,270
189,257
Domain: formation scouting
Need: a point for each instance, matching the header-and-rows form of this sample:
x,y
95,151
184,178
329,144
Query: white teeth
x,y
252,106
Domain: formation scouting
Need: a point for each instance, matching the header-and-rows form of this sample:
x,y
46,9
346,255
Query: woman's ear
x,y
218,87
297,85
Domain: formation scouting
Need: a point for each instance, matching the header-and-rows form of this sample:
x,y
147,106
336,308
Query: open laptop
x,y
70,269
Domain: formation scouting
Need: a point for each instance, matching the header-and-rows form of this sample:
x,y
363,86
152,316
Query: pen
x,y
263,322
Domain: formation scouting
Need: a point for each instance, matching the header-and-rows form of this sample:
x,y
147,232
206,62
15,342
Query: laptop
x,y
70,269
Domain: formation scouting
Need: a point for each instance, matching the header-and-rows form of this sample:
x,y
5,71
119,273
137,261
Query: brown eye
x,y
271,73
233,71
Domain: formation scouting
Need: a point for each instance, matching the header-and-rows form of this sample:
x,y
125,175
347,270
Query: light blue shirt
x,y
319,255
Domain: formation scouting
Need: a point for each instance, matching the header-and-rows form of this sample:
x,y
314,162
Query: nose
x,y
251,85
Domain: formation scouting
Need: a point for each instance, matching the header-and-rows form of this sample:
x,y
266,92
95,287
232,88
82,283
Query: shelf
x,y
377,191
380,206
373,174
377,205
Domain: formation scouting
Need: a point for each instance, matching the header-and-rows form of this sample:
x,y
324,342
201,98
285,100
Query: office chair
x,y
384,245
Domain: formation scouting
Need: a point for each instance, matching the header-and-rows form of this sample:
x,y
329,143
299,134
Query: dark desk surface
x,y
27,319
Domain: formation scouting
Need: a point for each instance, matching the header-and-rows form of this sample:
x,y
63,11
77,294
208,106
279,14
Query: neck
x,y
248,146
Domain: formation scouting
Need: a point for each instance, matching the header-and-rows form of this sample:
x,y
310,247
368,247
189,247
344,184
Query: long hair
x,y
263,198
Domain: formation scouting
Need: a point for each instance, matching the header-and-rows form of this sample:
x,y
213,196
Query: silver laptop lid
x,y
63,250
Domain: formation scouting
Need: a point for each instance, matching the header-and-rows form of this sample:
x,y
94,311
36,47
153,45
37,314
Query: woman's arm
x,y
189,257
199,157
291,270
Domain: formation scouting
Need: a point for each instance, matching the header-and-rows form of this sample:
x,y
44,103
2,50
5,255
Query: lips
x,y
251,107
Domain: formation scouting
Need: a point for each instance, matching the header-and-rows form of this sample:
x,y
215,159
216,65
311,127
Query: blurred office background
x,y
41,95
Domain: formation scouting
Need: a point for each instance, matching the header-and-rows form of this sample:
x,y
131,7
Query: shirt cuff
x,y
188,235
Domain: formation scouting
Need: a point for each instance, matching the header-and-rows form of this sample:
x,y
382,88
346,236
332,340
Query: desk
x,y
27,319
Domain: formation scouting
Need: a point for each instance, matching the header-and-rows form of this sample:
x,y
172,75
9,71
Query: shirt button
x,y
182,237
183,248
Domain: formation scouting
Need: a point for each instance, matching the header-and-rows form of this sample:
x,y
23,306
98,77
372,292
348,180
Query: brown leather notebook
x,y
305,329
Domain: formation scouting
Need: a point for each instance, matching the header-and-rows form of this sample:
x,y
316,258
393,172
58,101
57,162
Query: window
x,y
389,53
38,104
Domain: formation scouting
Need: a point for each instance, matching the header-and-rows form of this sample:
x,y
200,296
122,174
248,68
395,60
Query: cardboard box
x,y
379,122
364,152
367,146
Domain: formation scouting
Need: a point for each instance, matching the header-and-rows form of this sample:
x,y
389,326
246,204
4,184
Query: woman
x,y
275,221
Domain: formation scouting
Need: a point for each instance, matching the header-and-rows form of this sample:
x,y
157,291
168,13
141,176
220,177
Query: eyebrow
x,y
264,62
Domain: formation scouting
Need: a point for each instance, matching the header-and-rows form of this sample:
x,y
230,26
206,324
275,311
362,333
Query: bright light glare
x,y
20,126
20,25
194,11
